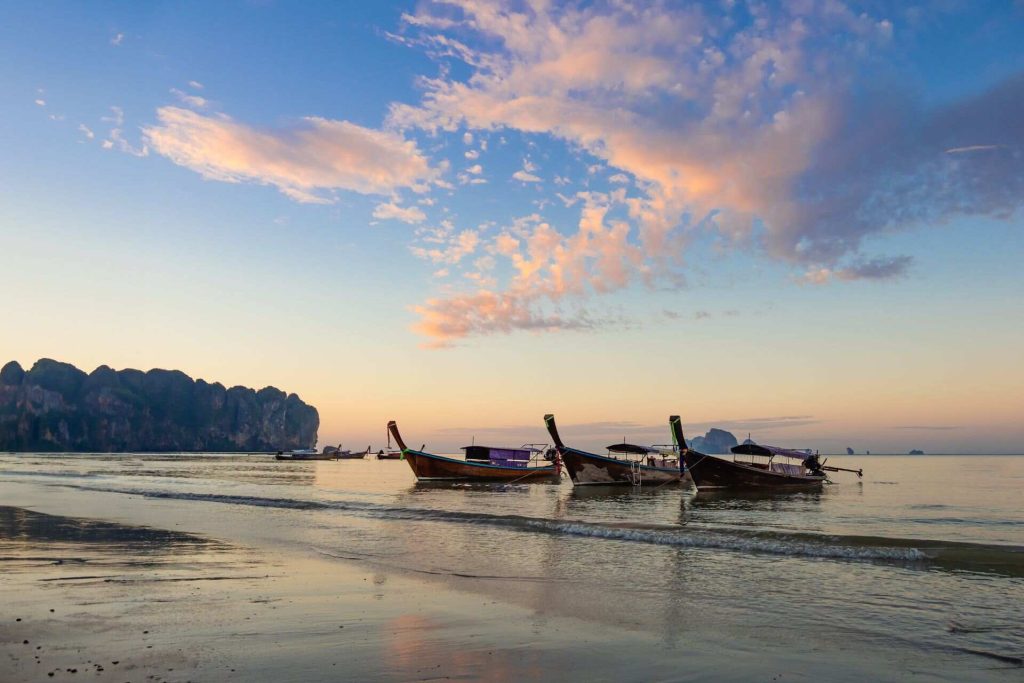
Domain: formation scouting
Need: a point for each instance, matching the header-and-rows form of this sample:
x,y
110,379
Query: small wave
x,y
36,473
953,555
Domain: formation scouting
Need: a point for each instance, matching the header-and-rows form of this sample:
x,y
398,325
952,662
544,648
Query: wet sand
x,y
113,602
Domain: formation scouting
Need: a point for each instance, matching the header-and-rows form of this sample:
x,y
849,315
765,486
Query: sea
x,y
914,571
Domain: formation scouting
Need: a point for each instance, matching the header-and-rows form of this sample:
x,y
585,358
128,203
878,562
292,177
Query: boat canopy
x,y
631,448
770,451
499,454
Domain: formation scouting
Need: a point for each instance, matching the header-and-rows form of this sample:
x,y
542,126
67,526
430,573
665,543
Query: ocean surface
x,y
915,570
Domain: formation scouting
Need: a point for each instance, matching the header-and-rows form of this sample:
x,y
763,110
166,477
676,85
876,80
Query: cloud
x,y
444,245
936,428
40,103
778,126
117,39
972,148
472,154
115,137
306,161
392,211
443,320
195,85
86,131
191,100
882,268
525,177
621,178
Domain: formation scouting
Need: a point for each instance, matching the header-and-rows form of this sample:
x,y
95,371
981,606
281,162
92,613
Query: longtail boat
x,y
482,463
624,464
353,455
306,454
757,467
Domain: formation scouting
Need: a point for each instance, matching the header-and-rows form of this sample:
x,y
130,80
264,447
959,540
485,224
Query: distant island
x,y
849,451
916,452
715,441
57,407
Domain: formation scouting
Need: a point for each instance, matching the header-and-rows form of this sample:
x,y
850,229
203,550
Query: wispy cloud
x,y
115,139
929,428
191,100
306,161
972,148
117,39
882,268
444,320
406,214
525,177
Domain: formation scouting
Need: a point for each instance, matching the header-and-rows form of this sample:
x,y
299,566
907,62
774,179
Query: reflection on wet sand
x,y
416,649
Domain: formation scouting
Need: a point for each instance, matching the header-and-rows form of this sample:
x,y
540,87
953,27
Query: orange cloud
x,y
306,161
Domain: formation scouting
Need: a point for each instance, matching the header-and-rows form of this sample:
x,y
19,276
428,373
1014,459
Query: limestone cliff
x,y
57,407
715,441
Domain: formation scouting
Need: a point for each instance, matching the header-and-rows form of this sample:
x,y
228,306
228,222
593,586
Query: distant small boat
x,y
759,467
389,454
482,463
306,454
625,463
352,455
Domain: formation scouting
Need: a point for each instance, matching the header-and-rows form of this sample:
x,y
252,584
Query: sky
x,y
801,220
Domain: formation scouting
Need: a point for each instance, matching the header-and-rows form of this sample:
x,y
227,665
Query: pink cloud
x,y
391,211
306,161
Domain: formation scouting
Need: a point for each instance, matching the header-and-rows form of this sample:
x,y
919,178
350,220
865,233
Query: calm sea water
x,y
916,569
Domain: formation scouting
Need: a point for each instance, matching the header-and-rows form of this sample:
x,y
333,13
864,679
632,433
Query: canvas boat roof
x,y
525,447
769,451
631,448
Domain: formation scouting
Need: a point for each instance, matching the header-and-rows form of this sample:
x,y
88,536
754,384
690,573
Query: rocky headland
x,y
55,406
714,441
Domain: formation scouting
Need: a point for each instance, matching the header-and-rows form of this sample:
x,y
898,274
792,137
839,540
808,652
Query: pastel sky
x,y
799,219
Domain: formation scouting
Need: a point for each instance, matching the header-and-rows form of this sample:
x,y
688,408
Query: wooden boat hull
x,y
389,456
431,467
351,456
709,472
590,469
